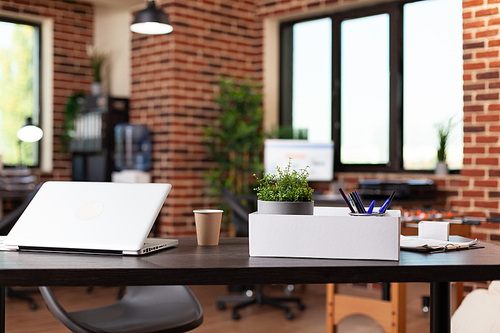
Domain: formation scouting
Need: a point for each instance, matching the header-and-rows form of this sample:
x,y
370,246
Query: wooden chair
x,y
391,314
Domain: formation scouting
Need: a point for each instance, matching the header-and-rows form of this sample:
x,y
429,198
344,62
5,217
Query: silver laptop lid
x,y
87,215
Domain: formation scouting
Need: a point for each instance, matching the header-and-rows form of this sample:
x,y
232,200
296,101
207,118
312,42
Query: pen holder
x,y
330,234
364,214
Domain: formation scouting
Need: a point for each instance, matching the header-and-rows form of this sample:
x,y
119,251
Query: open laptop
x,y
87,217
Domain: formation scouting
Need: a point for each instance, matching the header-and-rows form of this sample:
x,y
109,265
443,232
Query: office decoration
x,y
235,140
97,59
330,233
207,223
443,129
286,192
72,109
151,21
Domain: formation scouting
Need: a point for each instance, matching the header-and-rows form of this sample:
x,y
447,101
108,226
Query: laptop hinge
x,y
66,250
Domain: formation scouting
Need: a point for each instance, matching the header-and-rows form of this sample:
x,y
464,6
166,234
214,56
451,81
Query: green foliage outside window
x,y
17,86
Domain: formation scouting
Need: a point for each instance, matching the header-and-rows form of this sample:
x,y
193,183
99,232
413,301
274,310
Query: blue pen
x,y
384,206
370,209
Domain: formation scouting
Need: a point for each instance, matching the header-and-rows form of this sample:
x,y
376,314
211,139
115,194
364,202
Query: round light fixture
x,y
30,132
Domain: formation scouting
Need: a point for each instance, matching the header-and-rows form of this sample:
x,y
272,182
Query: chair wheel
x,y
221,306
289,315
33,306
302,307
236,315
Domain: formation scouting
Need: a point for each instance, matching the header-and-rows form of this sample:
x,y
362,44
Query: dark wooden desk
x,y
229,263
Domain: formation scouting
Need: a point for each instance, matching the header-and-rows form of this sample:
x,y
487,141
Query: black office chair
x,y
240,221
143,309
6,224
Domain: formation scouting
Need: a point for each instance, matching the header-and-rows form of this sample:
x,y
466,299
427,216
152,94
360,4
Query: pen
x,y
353,202
388,201
370,209
384,206
360,202
346,200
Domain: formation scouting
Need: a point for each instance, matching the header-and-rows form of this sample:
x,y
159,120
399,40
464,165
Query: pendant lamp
x,y
151,21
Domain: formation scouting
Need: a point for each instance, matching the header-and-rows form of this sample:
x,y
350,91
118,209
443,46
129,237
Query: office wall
x,y
112,36
72,31
479,191
475,192
174,79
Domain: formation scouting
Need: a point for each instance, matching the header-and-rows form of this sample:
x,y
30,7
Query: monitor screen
x,y
318,156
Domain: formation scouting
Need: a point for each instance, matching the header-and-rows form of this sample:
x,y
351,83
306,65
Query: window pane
x,y
312,83
364,106
433,81
19,56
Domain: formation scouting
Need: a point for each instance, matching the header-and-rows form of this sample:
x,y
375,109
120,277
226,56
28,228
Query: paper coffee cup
x,y
207,226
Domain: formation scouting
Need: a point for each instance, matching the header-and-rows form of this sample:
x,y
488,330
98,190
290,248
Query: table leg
x,y
440,307
2,309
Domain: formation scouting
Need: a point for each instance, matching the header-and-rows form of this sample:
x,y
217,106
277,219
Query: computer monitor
x,y
318,156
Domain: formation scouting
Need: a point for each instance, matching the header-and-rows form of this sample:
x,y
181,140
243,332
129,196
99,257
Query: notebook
x,y
91,217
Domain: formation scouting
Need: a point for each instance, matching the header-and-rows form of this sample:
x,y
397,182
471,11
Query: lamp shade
x,y
151,21
30,132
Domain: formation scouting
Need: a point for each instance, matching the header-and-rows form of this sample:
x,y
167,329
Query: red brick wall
x,y
174,79
73,30
479,195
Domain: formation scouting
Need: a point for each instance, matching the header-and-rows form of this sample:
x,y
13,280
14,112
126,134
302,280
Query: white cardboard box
x,y
330,233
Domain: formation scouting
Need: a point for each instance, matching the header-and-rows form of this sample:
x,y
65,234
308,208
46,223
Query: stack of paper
x,y
432,245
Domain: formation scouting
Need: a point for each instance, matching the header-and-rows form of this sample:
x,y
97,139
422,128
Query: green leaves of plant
x,y
286,185
235,140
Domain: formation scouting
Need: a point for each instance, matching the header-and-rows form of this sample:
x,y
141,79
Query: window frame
x,y
396,63
39,119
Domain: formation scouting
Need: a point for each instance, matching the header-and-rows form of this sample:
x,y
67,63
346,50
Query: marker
x,y
370,209
360,202
346,200
354,203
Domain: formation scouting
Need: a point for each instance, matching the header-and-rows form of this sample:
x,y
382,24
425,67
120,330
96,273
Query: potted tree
x,y
286,192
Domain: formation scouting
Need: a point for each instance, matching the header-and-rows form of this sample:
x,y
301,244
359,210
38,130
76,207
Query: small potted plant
x,y
97,59
444,130
286,192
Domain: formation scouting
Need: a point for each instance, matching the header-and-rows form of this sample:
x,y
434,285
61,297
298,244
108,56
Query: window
x,y
377,81
19,89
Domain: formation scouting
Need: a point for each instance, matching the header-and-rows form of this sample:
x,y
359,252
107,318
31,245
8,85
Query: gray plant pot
x,y
441,168
96,88
285,207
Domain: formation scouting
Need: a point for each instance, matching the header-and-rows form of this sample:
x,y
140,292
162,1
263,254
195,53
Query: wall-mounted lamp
x,y
151,21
